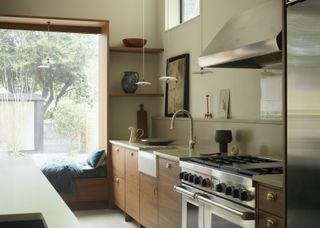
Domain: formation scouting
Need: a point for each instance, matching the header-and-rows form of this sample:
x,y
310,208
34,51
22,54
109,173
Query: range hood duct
x,y
252,39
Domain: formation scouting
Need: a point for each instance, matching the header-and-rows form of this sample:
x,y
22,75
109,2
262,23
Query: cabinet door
x,y
148,201
169,201
132,184
118,192
118,161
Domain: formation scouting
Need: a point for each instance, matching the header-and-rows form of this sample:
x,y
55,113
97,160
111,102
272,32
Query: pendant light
x,y
167,78
202,71
46,63
143,82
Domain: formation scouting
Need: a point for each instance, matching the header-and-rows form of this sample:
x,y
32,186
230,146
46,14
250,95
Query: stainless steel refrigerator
x,y
303,115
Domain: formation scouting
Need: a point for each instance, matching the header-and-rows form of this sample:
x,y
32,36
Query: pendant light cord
x,y
143,35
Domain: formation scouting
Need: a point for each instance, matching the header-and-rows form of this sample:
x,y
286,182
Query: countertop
x,y
275,180
24,189
172,151
179,152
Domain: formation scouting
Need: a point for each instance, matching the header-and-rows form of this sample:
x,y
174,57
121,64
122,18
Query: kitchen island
x,y
25,190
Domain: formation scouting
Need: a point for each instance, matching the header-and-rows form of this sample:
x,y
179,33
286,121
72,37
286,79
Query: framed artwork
x,y
177,92
224,103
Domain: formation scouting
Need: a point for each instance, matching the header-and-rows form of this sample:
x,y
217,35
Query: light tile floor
x,y
103,219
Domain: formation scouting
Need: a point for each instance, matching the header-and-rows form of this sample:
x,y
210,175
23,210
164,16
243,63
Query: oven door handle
x,y
245,215
182,190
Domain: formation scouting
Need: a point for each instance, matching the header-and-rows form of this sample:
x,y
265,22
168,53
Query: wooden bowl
x,y
134,42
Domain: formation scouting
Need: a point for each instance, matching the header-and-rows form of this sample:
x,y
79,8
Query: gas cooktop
x,y
245,165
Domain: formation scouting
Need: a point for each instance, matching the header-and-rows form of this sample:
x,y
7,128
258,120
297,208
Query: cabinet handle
x,y
168,166
131,153
271,222
117,149
271,196
117,180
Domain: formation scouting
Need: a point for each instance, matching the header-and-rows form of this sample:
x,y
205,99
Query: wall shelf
x,y
136,50
136,95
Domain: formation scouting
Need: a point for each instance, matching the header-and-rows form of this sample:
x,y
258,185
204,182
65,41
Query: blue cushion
x,y
95,158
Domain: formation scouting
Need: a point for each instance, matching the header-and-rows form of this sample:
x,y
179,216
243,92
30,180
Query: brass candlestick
x,y
208,115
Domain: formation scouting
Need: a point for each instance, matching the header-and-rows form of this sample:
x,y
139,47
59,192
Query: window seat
x,y
92,186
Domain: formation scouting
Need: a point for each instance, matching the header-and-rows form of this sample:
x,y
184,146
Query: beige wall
x,y
186,38
263,138
252,136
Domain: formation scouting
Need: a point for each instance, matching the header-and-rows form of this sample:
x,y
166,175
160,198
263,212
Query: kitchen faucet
x,y
192,140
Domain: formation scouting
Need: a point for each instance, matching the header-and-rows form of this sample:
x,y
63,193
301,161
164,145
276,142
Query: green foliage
x,y
70,119
21,52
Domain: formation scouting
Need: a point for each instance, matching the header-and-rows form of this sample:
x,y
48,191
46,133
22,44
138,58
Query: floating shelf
x,y
136,95
136,50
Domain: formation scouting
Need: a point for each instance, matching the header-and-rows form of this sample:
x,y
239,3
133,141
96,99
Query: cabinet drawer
x,y
118,160
168,169
118,188
266,220
270,200
132,172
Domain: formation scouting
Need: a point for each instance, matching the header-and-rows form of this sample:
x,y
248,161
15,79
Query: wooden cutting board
x,y
142,121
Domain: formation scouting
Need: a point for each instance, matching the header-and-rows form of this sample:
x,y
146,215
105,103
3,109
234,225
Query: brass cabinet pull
x,y
168,166
117,149
131,153
271,222
271,196
117,180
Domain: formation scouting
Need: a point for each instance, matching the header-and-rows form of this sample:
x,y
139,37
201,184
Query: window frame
x,y
75,25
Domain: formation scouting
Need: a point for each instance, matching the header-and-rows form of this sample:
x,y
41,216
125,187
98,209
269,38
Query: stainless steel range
x,y
218,191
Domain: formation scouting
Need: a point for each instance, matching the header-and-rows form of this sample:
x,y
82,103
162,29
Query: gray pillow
x,y
96,158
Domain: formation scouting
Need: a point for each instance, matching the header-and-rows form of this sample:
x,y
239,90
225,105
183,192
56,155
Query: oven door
x,y
192,210
221,213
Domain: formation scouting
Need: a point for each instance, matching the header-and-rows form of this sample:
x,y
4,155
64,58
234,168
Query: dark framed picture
x,y
177,92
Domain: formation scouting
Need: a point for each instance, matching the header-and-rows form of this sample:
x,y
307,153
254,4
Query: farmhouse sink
x,y
30,220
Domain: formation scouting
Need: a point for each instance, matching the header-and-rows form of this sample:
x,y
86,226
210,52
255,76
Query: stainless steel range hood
x,y
251,39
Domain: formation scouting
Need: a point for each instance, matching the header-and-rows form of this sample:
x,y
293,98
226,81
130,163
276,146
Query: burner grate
x,y
229,164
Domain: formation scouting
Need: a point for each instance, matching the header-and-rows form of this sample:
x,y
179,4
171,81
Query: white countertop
x,y
24,189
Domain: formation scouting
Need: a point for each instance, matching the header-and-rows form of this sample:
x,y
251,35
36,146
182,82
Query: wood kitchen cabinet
x,y
118,175
132,185
169,202
148,201
270,206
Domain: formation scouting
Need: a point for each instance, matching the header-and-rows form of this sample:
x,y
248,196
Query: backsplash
x,y
259,138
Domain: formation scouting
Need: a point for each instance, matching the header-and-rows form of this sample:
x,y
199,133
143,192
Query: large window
x,y
49,90
180,11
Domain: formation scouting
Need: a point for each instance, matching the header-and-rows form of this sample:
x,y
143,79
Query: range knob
x,y
236,193
220,187
229,190
181,176
191,178
186,176
245,196
197,180
206,182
